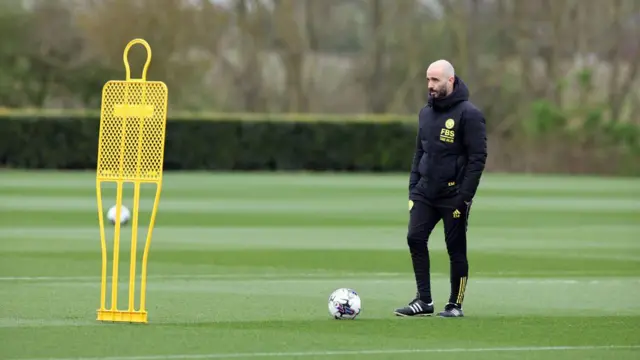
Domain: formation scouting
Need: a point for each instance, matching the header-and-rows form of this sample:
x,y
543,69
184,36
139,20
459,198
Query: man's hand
x,y
460,206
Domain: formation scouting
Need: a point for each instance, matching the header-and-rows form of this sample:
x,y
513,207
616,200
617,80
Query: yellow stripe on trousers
x,y
463,285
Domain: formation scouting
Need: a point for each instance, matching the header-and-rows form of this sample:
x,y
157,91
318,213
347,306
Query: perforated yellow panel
x,y
132,131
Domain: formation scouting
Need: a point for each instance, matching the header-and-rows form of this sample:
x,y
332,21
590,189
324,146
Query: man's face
x,y
439,85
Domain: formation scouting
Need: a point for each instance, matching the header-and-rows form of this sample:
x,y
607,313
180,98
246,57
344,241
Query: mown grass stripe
x,y
379,204
332,353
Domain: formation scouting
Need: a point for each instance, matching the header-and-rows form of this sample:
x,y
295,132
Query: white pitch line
x,y
348,353
310,276
211,276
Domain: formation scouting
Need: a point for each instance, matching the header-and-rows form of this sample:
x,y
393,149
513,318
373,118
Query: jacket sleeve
x,y
475,143
414,177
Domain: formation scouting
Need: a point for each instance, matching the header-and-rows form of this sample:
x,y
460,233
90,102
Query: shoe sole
x,y
416,315
444,316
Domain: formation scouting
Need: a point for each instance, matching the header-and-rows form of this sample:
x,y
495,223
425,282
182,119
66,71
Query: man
x,y
450,155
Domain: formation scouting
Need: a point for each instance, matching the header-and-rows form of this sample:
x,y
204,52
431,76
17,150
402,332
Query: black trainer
x,y
416,307
451,310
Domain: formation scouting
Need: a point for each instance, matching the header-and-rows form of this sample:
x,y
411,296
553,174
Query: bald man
x,y
449,159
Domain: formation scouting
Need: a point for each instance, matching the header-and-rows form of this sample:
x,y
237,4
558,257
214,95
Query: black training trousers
x,y
422,220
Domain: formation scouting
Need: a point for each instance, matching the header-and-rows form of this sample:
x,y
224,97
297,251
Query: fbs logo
x,y
447,134
456,214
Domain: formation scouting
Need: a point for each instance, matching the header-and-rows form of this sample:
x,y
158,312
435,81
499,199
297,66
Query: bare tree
x,y
291,44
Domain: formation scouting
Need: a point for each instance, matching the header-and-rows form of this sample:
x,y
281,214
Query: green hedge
x,y
216,143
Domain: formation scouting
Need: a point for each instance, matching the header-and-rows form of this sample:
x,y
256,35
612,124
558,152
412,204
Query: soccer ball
x,y
125,215
344,303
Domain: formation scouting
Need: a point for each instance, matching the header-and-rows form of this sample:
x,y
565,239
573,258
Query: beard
x,y
438,93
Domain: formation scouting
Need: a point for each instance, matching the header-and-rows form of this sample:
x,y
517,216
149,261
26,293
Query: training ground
x,y
241,266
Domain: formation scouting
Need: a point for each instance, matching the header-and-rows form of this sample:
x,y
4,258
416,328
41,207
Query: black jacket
x,y
451,149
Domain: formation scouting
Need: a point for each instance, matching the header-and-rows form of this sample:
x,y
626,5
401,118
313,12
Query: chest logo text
x,y
447,135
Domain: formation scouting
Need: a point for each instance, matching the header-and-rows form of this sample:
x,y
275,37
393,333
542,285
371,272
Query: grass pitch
x,y
241,266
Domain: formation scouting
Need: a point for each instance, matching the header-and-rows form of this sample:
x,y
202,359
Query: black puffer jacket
x,y
451,149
